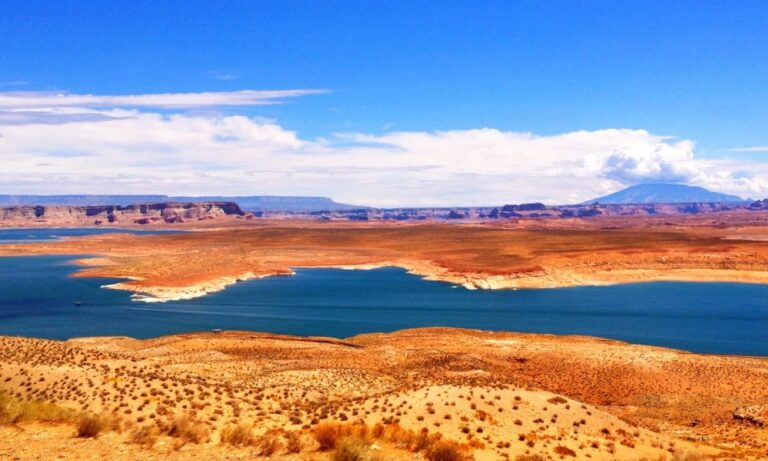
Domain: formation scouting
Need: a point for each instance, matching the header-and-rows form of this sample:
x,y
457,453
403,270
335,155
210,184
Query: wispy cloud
x,y
55,116
224,76
756,149
28,100
14,83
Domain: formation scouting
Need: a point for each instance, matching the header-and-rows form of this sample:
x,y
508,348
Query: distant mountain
x,y
276,203
247,203
665,193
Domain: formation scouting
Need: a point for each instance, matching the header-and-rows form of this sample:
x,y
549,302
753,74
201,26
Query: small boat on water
x,y
78,303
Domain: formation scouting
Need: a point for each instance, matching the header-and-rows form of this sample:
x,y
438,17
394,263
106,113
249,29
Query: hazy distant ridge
x,y
247,203
275,202
665,193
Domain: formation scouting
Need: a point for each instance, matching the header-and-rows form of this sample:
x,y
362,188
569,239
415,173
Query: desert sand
x,y
488,395
436,394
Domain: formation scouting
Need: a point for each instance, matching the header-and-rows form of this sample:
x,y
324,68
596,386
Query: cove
x,y
38,298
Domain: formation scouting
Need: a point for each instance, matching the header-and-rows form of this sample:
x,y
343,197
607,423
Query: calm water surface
x,y
37,298
37,235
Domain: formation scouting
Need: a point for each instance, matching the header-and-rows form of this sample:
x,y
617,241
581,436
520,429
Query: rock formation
x,y
137,214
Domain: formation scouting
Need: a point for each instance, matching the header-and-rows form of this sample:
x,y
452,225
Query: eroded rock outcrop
x,y
755,415
138,214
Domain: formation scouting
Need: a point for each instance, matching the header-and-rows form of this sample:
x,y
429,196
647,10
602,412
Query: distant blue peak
x,y
665,193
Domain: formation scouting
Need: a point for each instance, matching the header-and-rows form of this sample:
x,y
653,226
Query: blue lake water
x,y
37,298
48,234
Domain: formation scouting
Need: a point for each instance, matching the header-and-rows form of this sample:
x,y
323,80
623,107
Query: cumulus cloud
x,y
127,150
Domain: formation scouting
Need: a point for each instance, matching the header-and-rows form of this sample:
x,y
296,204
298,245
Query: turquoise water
x,y
37,298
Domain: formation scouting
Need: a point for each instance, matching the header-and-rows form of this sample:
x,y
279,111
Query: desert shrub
x,y
268,444
352,449
564,451
327,435
445,451
89,426
237,435
146,436
529,458
378,430
188,429
293,442
557,400
421,441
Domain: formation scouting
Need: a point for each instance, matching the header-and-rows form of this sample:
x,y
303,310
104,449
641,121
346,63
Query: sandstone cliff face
x,y
139,214
759,205
520,211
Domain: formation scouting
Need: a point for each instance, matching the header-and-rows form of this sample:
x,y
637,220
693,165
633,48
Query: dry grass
x,y
237,435
293,443
327,435
445,451
353,449
89,426
352,441
321,396
268,444
187,429
14,411
145,436
689,456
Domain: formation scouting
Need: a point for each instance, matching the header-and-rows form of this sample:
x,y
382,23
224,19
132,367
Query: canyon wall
x,y
137,214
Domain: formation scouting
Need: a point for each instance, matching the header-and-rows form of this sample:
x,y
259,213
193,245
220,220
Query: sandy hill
x,y
486,395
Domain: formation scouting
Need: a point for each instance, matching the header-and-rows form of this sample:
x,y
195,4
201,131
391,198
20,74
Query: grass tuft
x,y
145,436
327,435
353,449
445,451
188,429
238,435
14,411
89,426
268,444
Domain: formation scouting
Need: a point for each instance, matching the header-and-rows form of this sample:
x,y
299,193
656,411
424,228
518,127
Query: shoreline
x,y
468,281
163,266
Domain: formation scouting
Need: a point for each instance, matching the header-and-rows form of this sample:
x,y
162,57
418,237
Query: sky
x,y
411,103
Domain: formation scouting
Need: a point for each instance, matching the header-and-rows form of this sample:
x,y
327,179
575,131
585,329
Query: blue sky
x,y
690,70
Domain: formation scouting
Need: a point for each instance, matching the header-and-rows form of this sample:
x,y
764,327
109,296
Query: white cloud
x,y
224,76
133,151
757,149
26,100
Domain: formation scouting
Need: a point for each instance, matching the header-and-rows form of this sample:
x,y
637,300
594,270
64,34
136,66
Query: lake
x,y
51,234
37,298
